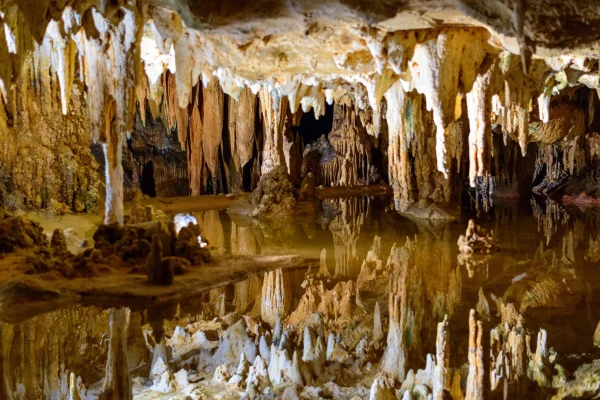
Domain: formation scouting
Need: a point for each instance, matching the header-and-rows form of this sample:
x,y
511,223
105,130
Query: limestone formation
x,y
477,375
279,109
117,383
275,299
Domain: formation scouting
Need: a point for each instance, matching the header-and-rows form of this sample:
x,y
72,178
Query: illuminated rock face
x,y
416,102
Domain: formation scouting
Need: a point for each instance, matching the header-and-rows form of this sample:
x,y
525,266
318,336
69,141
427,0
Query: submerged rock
x,y
428,210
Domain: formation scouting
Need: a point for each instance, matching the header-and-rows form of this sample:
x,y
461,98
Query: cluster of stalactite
x,y
34,132
38,362
444,89
345,157
153,161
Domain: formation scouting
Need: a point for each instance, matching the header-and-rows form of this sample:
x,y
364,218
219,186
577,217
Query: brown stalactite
x,y
400,174
113,155
212,118
245,125
195,154
274,113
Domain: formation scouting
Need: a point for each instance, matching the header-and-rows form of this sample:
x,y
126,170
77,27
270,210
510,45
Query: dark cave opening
x,y
147,183
311,129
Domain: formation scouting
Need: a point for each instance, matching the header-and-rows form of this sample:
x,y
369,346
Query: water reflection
x,y
374,275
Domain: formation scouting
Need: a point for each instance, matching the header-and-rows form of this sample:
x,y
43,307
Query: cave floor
x,y
536,244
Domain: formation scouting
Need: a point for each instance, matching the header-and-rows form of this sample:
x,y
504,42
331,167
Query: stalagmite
x,y
241,373
314,352
381,390
117,382
537,370
258,378
273,108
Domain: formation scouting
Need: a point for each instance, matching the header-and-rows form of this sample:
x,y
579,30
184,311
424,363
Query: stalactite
x,y
63,54
436,73
213,118
113,81
245,126
195,154
113,154
479,109
274,113
111,92
399,164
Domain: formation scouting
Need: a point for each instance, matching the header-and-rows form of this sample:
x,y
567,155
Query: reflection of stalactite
x,y
549,217
246,292
345,228
403,329
211,227
276,296
37,361
242,240
117,382
443,294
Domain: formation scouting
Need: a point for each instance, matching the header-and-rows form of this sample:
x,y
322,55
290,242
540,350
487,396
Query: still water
x,y
546,264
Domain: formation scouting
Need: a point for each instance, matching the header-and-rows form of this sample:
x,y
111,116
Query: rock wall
x,y
45,157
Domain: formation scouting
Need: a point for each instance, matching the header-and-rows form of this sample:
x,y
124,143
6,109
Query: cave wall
x,y
45,156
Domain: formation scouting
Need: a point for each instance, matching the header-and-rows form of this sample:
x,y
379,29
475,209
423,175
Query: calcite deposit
x,y
217,149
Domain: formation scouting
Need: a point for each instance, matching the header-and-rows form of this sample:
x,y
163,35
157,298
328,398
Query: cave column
x,y
273,107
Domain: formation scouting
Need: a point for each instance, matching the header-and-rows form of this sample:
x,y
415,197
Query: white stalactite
x,y
480,131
